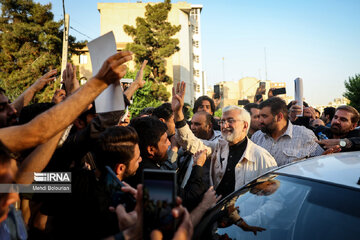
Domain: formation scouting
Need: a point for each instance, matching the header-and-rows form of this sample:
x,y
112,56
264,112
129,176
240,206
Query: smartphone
x,y
243,102
158,199
262,86
279,91
113,186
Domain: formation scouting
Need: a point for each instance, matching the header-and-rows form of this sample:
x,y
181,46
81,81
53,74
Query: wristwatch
x,y
342,143
345,143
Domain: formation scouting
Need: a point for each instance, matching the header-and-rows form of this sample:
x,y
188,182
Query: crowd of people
x,y
212,156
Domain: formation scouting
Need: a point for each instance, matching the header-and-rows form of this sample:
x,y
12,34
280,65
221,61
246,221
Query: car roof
x,y
339,168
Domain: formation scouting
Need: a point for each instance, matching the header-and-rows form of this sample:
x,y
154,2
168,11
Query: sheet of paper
x,y
111,99
299,94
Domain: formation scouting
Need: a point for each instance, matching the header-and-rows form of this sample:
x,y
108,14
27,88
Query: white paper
x,y
299,94
111,99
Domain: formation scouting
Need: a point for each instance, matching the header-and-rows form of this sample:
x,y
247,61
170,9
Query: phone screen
x,y
159,199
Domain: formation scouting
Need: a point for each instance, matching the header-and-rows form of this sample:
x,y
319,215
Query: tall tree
x,y
353,91
153,41
30,45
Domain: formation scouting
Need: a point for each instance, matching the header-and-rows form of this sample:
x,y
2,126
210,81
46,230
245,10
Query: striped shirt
x,y
296,143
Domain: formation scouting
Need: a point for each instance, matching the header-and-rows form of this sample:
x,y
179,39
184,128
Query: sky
x,y
317,40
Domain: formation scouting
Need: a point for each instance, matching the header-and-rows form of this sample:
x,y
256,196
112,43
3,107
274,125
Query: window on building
x,y
83,59
197,73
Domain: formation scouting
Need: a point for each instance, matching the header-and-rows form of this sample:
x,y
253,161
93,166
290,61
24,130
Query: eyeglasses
x,y
229,121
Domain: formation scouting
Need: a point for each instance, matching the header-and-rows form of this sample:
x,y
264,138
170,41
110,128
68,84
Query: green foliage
x,y
30,46
143,97
353,91
153,41
218,113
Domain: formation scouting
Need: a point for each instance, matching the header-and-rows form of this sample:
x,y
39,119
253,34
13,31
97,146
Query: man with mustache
x,y
235,159
284,141
342,130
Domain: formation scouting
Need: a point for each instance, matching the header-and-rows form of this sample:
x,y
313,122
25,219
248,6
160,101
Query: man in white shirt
x,y
284,141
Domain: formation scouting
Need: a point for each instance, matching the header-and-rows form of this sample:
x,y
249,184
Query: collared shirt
x,y
296,143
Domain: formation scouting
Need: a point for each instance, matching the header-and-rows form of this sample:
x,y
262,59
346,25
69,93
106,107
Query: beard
x,y
268,128
229,134
337,130
160,158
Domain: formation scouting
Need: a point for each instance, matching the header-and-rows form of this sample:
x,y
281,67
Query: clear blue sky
x,y
317,40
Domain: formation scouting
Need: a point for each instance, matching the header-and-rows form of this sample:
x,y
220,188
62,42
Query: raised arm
x,y
51,122
37,160
25,98
138,83
184,136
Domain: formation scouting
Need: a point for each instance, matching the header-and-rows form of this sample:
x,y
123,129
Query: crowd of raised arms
x,y
212,156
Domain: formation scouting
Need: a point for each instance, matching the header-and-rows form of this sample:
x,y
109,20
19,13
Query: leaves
x,y
353,91
152,40
30,45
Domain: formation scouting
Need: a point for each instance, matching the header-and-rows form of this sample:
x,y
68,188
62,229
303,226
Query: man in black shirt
x,y
342,128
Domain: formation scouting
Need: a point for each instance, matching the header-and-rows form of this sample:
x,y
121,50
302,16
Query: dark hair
x,y
276,105
146,111
115,145
84,114
29,112
249,106
293,103
150,130
353,111
208,117
163,111
198,103
329,111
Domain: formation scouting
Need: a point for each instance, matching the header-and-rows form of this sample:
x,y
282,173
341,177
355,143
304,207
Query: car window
x,y
281,207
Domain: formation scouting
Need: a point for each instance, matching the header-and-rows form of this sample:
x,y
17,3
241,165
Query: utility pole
x,y
65,44
223,68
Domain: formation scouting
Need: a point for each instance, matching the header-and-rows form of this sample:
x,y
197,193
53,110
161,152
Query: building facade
x,y
185,65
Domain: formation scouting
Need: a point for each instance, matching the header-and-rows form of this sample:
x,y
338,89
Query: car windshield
x,y
282,207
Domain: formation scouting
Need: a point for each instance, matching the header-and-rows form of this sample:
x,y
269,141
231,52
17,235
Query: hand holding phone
x,y
114,185
159,199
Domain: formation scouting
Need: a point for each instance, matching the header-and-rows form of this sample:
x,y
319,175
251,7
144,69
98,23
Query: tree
x,y
153,41
30,46
144,97
353,91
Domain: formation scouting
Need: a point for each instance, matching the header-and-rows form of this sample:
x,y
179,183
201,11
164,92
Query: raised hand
x,y
59,96
113,68
45,79
200,158
178,95
69,79
140,75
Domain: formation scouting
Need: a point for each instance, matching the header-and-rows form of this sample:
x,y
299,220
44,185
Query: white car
x,y
317,198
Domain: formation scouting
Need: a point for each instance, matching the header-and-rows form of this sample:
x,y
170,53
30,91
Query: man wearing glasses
x,y
235,159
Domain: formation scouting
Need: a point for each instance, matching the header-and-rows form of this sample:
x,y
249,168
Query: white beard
x,y
228,136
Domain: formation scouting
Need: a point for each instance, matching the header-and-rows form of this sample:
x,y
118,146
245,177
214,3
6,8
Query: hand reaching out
x,y
200,158
69,79
140,75
178,97
45,79
114,68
